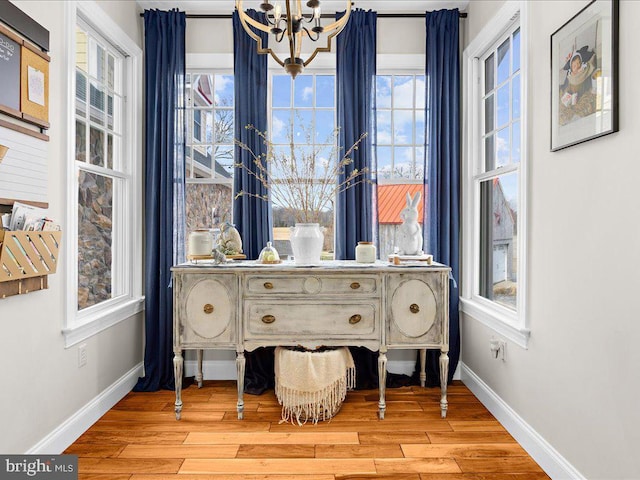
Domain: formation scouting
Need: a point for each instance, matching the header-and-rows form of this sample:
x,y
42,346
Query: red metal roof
x,y
393,198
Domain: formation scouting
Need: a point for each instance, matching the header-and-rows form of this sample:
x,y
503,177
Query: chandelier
x,y
295,26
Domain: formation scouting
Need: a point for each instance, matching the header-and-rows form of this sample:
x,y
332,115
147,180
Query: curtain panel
x,y
164,188
442,201
251,215
355,82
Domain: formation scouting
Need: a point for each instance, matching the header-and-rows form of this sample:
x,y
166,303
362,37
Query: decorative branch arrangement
x,y
299,179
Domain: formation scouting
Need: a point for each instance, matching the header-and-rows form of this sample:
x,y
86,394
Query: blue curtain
x,y
251,215
442,202
164,188
355,81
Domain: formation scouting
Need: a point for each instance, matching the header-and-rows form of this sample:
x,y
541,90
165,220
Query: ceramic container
x,y
365,252
200,243
307,240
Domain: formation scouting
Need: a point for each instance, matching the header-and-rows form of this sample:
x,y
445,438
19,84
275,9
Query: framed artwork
x,y
584,75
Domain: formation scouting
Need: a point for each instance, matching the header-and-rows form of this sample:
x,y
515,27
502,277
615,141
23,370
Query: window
x,y
104,205
303,113
494,212
209,146
400,150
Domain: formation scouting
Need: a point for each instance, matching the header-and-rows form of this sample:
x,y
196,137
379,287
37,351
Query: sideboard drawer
x,y
292,321
351,285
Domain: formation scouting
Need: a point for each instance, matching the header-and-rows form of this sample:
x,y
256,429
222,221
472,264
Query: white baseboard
x,y
554,464
226,369
71,429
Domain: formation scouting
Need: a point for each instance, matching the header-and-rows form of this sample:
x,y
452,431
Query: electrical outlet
x,y
498,349
82,355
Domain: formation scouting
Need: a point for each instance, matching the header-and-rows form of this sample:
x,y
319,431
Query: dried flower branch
x,y
300,179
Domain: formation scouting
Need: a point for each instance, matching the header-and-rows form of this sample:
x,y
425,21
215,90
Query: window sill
x,y
101,319
502,322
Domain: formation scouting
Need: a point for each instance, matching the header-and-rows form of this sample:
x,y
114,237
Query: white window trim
x,y
78,326
507,323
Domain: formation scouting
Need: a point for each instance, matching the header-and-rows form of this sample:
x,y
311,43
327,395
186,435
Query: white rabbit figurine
x,y
229,239
409,238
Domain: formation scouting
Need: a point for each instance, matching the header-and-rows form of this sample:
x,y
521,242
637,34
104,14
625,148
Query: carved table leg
x,y
240,362
382,382
423,366
199,374
178,363
444,375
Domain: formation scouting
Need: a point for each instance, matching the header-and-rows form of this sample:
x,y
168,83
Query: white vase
x,y
307,240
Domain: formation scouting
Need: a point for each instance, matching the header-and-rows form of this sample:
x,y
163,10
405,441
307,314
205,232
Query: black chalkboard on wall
x,y
9,73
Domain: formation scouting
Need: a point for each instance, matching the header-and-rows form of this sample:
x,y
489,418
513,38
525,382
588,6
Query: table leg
x,y
178,365
444,376
382,382
199,373
423,366
240,363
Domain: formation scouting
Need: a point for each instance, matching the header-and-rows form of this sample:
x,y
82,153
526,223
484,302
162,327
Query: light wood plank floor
x,y
140,439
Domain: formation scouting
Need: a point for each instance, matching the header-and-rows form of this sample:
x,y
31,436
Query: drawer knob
x,y
355,319
208,308
355,286
414,308
268,285
268,319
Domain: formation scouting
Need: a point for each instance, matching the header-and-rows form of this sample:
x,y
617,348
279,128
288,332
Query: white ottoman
x,y
311,385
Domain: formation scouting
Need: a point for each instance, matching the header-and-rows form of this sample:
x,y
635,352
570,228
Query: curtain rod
x,y
380,15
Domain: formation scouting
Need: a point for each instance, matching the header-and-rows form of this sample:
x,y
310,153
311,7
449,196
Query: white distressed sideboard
x,y
245,305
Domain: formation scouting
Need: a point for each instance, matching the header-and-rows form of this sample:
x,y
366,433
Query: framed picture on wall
x,y
584,75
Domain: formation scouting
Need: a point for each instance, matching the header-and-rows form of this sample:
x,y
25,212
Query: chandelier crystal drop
x,y
294,25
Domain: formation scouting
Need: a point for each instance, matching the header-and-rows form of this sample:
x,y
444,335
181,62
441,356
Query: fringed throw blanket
x,y
311,386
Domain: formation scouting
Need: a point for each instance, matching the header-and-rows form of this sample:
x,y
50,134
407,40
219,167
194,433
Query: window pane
x,y
420,127
324,126
516,51
503,61
109,151
383,127
498,235
81,141
303,91
488,114
325,90
224,90
81,51
281,94
503,147
489,74
403,162
403,127
96,61
81,94
420,161
403,91
420,91
383,91
97,103
223,156
383,157
515,142
515,97
111,72
281,126
503,106
223,126
207,205
303,126
96,147
95,230
489,153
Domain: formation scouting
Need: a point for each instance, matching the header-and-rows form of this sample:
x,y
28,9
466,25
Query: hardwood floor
x,y
140,439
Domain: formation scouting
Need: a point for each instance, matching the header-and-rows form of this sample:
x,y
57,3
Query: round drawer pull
x,y
208,308
268,285
268,319
355,319
414,308
355,286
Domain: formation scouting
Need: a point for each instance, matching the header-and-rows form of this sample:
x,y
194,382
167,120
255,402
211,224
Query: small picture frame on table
x,y
584,75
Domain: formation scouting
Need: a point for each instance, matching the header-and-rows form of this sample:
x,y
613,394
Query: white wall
x,y
576,384
42,385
